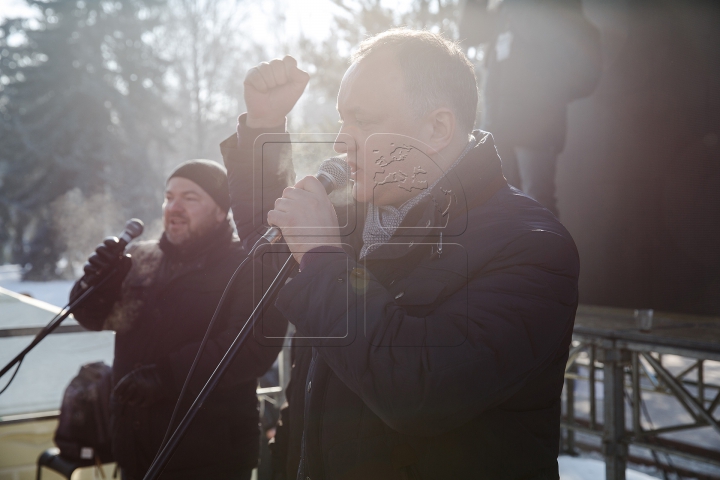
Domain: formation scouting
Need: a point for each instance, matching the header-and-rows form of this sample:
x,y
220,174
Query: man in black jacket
x,y
441,322
160,305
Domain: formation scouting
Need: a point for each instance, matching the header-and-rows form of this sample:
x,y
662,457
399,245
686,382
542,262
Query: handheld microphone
x,y
133,229
333,174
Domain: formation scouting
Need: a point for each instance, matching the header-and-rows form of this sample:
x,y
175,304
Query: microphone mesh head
x,y
336,170
134,227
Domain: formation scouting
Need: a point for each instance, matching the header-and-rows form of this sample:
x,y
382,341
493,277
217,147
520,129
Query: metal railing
x,y
618,364
274,395
627,365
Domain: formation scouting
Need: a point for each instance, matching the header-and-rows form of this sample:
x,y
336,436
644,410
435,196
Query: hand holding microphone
x,y
105,256
305,214
110,254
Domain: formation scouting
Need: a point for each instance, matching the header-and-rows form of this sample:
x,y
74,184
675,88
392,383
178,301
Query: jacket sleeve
x,y
511,321
258,172
94,310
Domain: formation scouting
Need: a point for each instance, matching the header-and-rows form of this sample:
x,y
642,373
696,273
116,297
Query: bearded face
x,y
188,211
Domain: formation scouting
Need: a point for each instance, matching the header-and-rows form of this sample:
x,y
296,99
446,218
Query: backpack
x,y
83,431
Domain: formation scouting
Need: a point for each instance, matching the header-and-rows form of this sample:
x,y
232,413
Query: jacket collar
x,y
444,212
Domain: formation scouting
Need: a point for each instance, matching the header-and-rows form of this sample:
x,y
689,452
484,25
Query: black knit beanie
x,y
210,176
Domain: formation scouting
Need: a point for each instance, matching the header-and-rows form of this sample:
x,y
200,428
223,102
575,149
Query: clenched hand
x,y
271,90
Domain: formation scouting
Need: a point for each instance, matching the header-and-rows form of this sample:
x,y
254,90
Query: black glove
x,y
106,255
142,387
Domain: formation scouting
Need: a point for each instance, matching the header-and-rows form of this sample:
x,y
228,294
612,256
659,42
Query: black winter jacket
x,y
437,356
160,315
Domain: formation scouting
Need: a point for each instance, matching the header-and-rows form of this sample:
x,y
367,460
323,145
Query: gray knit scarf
x,y
382,221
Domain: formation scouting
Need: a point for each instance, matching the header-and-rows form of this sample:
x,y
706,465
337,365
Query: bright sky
x,y
311,17
14,8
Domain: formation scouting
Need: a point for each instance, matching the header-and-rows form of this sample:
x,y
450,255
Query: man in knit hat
x,y
160,304
196,202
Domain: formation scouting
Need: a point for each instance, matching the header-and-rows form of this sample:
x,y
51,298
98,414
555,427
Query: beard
x,y
187,233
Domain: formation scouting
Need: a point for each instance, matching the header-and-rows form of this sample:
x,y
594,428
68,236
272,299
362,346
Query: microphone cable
x,y
17,369
205,339
333,174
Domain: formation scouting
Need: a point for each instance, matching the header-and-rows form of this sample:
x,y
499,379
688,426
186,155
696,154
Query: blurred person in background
x,y
160,304
541,55
269,414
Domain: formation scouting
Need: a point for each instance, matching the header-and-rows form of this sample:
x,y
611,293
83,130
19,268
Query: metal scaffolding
x,y
610,352
619,365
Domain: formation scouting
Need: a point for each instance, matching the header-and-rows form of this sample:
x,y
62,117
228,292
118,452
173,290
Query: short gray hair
x,y
437,72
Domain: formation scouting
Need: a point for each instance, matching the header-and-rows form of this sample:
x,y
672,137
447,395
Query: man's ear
x,y
442,125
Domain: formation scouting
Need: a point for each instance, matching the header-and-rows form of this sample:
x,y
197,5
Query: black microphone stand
x,y
165,454
55,322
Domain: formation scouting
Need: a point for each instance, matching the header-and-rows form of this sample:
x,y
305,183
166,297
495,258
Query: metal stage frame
x,y
609,350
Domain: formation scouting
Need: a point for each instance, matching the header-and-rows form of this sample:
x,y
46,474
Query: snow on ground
x,y
49,367
577,468
55,292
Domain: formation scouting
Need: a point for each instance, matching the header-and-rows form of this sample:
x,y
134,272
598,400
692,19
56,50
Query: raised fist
x,y
272,90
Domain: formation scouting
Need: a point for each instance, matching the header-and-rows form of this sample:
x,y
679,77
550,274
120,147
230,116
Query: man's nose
x,y
344,143
173,206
